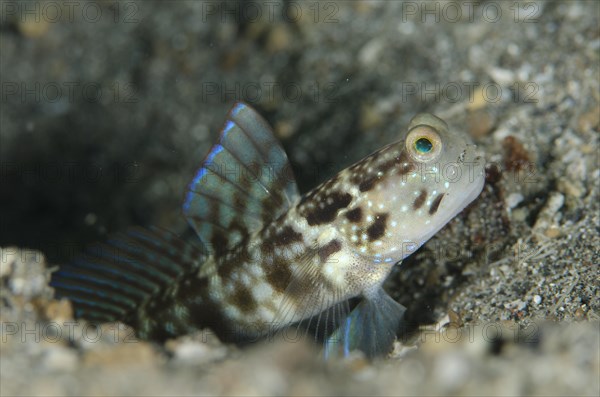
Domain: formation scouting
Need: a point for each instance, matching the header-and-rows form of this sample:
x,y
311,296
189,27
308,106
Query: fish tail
x,y
129,278
371,327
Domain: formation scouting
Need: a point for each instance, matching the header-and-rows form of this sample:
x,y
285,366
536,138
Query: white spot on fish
x,y
232,312
246,280
256,271
335,274
262,292
328,270
265,314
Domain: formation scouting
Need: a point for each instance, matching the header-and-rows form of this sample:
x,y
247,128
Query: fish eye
x,y
423,143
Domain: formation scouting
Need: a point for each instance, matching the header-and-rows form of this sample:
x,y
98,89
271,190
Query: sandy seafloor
x,y
108,108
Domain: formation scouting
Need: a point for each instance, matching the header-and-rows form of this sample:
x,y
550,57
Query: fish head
x,y
408,190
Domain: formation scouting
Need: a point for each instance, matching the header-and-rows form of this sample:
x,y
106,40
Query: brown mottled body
x,y
338,241
274,258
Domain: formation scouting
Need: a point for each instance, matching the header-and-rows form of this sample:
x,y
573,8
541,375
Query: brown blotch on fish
x,y
278,275
377,228
329,249
219,243
388,165
243,300
225,268
402,162
405,168
354,215
287,235
405,164
358,171
333,202
420,200
368,183
239,201
436,204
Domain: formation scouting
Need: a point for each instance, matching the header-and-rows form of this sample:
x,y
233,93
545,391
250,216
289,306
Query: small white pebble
x,y
452,370
514,199
60,359
537,299
192,352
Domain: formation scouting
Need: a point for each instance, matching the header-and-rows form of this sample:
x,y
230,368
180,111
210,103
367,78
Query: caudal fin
x,y
371,327
124,278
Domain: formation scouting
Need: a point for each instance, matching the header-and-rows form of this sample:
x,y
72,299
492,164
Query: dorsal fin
x,y
244,182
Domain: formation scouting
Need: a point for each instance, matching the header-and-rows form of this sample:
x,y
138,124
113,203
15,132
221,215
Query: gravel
x,y
108,108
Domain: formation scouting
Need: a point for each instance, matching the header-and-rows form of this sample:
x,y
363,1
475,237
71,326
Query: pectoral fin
x,y
371,327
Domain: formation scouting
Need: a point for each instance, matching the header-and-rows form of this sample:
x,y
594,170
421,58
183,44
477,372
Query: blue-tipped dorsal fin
x,y
371,327
244,182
